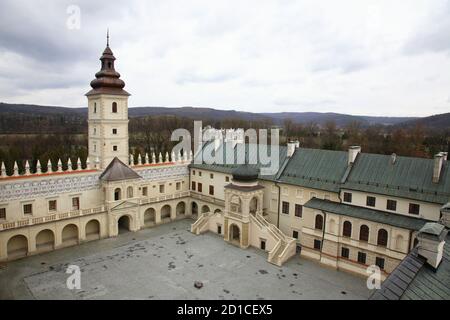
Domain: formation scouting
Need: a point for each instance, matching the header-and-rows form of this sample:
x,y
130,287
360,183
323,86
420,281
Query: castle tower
x,y
108,114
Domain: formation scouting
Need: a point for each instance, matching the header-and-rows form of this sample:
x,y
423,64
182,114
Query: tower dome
x,y
107,80
245,173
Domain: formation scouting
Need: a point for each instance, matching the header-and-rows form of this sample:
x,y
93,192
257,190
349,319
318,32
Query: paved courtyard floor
x,y
164,262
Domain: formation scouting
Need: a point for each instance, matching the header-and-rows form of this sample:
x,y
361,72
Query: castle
x,y
347,210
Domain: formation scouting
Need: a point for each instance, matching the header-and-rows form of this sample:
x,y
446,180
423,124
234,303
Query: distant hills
x,y
12,115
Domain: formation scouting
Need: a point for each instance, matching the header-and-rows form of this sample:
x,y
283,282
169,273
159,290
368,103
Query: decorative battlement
x,y
145,160
38,172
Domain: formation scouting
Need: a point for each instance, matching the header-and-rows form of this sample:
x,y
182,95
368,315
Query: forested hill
x,y
23,118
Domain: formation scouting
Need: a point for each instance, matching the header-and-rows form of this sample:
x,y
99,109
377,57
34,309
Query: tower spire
x,y
107,37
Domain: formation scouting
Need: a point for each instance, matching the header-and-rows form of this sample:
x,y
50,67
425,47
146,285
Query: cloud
x,y
351,56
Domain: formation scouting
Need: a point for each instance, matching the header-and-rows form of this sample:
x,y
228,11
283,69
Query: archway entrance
x,y
17,247
205,209
45,241
123,225
235,235
165,212
194,209
181,209
69,235
149,217
93,230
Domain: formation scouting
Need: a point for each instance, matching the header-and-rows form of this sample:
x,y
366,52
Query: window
x,y
130,192
379,262
161,188
345,253
285,207
362,257
193,185
114,107
114,131
117,194
298,210
52,205
95,147
178,186
193,172
227,179
76,203
364,233
391,205
114,148
199,187
2,213
95,107
317,244
211,176
285,191
299,193
28,209
382,238
211,190
95,131
414,208
199,173
295,234
319,222
262,244
370,201
219,229
144,191
347,229
347,197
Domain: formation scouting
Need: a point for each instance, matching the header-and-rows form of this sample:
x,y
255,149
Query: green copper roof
x,y
249,152
392,219
315,168
408,177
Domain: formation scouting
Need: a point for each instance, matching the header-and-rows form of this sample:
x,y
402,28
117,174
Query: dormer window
x,y
114,107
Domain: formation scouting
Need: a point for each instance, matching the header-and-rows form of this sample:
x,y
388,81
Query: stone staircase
x,y
285,246
201,224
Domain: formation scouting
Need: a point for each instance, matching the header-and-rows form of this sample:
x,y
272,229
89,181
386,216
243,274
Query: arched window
x,y
319,222
114,107
130,192
347,230
95,107
117,194
364,233
382,238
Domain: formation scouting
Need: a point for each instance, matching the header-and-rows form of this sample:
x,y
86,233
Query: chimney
x,y
291,146
437,168
352,153
393,158
431,243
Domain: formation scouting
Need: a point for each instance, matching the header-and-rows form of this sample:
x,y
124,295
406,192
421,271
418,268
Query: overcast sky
x,y
359,57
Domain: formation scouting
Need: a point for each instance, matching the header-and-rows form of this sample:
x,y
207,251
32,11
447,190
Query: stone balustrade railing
x,y
53,217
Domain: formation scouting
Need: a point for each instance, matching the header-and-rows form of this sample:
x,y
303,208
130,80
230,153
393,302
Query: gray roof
x,y
408,177
117,170
413,279
249,152
392,219
315,168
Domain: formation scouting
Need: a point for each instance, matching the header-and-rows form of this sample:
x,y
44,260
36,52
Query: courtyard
x,y
164,262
